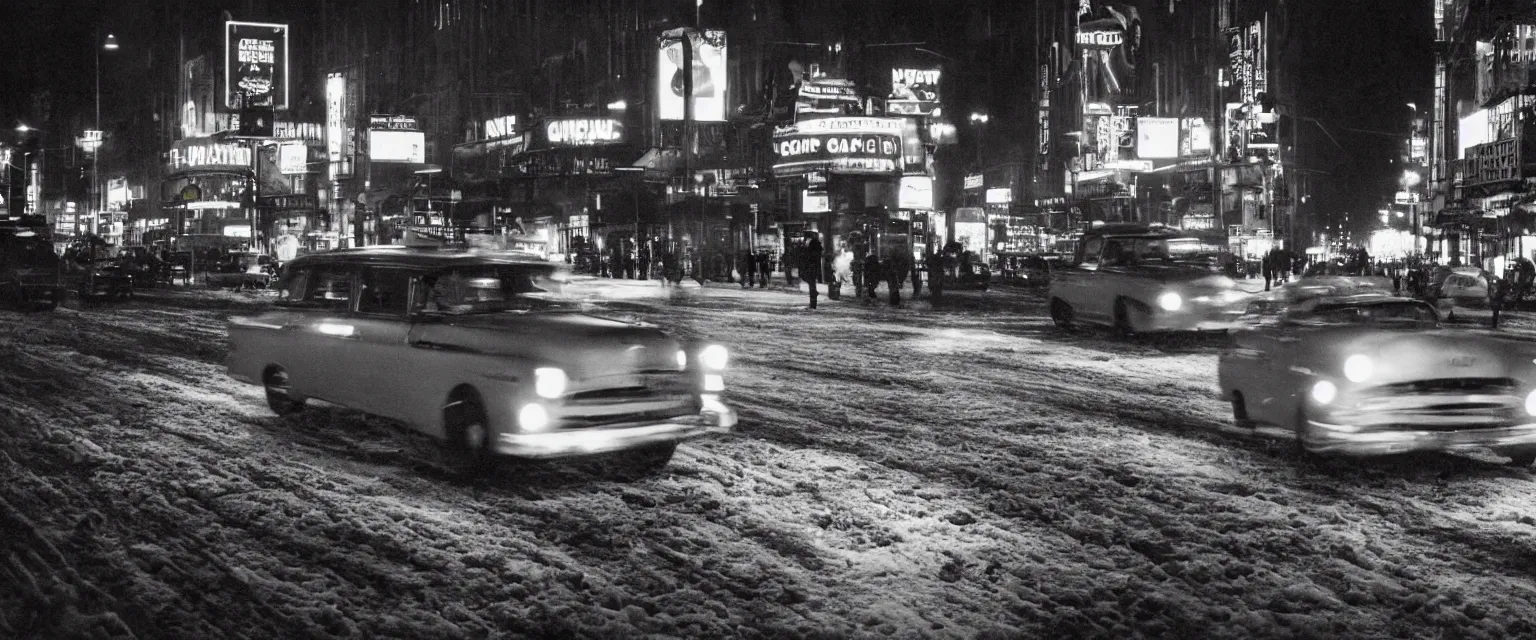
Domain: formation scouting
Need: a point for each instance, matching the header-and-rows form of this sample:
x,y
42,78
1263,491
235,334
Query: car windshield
x,y
1406,314
487,289
1127,251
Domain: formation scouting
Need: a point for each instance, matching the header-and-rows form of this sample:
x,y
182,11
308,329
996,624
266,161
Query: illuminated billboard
x,y
255,65
335,109
850,145
397,146
1157,137
916,193
293,158
583,132
914,91
709,75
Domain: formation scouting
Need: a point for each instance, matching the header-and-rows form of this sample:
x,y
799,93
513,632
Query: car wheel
x,y
467,438
1061,314
280,397
1240,411
645,461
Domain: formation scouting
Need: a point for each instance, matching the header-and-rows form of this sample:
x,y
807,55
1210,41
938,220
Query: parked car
x,y
243,271
31,274
1124,276
92,271
473,349
1371,374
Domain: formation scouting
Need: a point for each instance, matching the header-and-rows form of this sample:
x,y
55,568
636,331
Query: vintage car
x,y
1372,374
474,349
243,271
1452,288
31,274
92,271
1124,276
1318,281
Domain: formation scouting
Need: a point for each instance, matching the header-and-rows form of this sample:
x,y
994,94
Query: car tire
x,y
467,438
645,461
280,396
1062,314
1240,411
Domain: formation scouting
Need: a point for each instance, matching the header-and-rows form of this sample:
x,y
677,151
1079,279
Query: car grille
x,y
641,397
1446,404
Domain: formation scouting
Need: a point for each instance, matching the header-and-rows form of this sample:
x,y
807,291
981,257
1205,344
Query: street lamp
x,y
97,199
978,119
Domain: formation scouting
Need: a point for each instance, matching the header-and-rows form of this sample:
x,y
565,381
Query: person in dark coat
x,y
669,270
748,269
896,269
860,246
764,267
810,264
1267,264
645,261
935,266
872,268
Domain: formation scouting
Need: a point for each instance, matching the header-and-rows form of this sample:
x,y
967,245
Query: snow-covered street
x,y
962,471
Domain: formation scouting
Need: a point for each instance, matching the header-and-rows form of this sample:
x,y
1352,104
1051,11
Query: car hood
x,y
1407,355
583,345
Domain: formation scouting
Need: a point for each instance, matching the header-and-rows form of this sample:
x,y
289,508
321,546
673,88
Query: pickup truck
x,y
1125,276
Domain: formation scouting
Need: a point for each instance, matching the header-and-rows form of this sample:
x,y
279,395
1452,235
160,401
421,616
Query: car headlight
x,y
1170,301
714,357
1324,392
1359,368
682,359
714,383
533,417
1530,403
549,382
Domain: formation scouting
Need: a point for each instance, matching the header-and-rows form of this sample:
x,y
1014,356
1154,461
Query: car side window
x,y
384,291
295,285
329,288
1091,250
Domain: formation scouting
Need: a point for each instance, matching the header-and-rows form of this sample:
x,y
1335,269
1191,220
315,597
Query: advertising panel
x,y
502,127
851,145
826,97
1493,162
397,146
393,123
335,103
1124,123
814,202
255,65
914,156
916,193
293,158
206,154
1194,137
914,91
973,181
1157,137
999,195
709,75
1110,45
582,132
1045,132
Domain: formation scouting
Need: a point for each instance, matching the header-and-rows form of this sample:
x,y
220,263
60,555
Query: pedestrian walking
x,y
764,267
896,268
872,268
935,276
810,264
748,269
645,261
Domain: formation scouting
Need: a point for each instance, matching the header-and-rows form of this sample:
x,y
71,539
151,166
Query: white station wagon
x,y
472,349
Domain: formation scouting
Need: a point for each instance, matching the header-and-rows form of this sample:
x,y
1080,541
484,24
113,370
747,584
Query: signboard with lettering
x,y
502,127
582,132
205,154
393,123
914,91
849,145
974,181
1104,39
1494,162
255,65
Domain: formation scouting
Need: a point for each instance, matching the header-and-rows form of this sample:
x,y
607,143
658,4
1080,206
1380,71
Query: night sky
x,y
1360,62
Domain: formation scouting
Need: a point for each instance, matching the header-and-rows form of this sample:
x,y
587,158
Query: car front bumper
x,y
1330,438
716,418
1196,319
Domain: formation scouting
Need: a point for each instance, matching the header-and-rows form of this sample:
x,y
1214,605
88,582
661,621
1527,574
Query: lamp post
x,y
97,198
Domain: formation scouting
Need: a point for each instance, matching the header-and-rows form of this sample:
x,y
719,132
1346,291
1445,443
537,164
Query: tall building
x,y
1483,127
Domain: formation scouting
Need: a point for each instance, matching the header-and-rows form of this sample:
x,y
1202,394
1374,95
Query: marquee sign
x,y
255,65
204,154
583,132
852,145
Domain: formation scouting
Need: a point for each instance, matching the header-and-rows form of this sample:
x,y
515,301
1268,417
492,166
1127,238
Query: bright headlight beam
x,y
682,359
1324,392
1530,403
1359,368
714,357
549,382
533,417
1170,301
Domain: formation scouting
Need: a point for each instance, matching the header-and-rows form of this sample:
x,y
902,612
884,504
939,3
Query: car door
x,y
316,332
379,354
1078,280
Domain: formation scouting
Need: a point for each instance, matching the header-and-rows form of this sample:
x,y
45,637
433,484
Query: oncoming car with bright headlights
x,y
1132,278
1374,374
471,348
